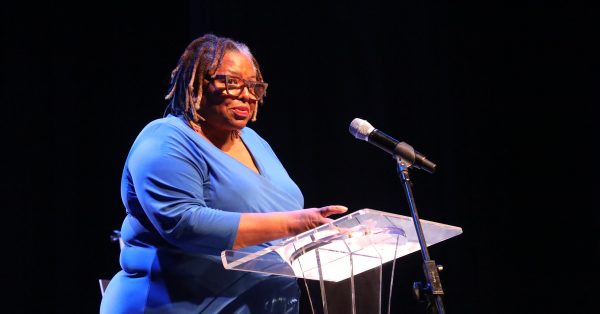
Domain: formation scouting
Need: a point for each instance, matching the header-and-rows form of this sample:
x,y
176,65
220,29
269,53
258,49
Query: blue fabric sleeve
x,y
168,180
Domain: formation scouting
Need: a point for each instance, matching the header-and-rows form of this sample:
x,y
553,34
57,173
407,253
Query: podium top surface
x,y
351,244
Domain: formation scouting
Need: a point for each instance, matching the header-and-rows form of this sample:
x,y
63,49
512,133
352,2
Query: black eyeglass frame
x,y
251,85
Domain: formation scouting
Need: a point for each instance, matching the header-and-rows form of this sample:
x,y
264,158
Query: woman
x,y
200,181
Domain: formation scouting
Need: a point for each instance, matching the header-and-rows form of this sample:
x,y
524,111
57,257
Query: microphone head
x,y
361,129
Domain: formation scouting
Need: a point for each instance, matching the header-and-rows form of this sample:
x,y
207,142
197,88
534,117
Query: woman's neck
x,y
223,139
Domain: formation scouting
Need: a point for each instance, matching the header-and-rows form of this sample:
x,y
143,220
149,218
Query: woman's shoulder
x,y
167,127
250,135
167,132
249,132
168,122
166,138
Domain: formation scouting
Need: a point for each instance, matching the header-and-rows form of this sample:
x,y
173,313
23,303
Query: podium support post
x,y
433,286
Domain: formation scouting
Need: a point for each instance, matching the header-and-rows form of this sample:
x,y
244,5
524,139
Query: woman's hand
x,y
256,228
309,218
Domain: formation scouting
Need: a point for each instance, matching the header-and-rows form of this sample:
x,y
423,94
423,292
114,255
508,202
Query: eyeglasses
x,y
234,85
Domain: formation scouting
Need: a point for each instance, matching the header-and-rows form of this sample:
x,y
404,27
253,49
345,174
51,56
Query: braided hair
x,y
200,58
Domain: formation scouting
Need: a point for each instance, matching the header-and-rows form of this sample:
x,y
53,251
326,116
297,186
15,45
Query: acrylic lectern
x,y
340,250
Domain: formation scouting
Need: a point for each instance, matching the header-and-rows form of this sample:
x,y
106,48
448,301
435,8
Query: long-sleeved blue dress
x,y
183,198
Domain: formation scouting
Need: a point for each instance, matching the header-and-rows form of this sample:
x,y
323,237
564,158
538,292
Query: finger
x,y
333,209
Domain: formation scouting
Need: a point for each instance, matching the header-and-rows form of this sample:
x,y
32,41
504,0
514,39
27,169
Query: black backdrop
x,y
501,96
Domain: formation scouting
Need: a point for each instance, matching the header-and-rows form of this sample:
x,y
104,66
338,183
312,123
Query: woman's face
x,y
226,112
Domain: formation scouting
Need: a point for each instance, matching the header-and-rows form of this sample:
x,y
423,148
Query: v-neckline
x,y
259,170
257,164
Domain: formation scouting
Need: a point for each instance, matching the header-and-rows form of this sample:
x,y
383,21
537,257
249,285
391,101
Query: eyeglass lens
x,y
235,85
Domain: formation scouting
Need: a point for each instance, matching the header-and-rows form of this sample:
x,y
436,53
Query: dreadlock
x,y
200,58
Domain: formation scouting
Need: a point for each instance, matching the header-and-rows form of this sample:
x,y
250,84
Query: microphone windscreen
x,y
361,129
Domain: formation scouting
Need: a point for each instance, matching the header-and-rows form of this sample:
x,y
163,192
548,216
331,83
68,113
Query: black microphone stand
x,y
433,286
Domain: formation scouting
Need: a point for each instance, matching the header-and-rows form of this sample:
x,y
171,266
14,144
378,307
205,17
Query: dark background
x,y
502,96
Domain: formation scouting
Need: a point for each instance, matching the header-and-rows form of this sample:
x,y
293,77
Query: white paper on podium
x,y
348,246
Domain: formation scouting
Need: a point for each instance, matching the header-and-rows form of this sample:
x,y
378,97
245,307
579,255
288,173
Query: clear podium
x,y
338,251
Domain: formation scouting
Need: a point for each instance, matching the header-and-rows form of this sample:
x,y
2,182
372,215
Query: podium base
x,y
368,295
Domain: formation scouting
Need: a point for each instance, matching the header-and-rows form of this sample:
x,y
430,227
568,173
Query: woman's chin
x,y
240,123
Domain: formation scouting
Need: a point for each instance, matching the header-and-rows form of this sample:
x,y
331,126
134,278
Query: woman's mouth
x,y
241,112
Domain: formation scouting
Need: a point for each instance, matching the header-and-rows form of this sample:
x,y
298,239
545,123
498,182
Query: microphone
x,y
363,130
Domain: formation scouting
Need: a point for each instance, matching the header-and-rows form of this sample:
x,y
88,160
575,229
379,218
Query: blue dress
x,y
183,198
